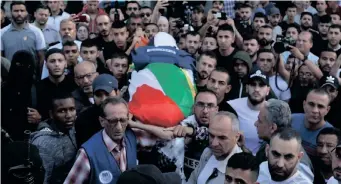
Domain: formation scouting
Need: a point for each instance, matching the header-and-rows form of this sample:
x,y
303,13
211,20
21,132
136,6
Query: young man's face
x,y
134,24
103,25
89,54
321,5
251,46
151,31
257,91
209,44
265,33
56,65
205,66
266,62
325,144
240,68
205,107
146,13
225,39
120,36
217,82
132,8
197,16
245,13
71,54
327,61
257,23
335,18
193,43
118,67
307,21
334,36
291,12
218,5
64,112
292,33
41,16
233,176
316,107
274,19
323,28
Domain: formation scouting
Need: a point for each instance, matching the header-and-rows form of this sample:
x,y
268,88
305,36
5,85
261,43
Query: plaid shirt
x,y
229,8
81,169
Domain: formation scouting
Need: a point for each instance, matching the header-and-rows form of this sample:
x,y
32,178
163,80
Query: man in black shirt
x,y
89,52
225,51
56,81
197,18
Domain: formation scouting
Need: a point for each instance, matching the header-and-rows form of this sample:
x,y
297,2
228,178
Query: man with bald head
x,y
304,43
85,73
223,137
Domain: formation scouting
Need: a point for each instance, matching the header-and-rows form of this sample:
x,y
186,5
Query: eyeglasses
x,y
114,122
84,76
130,9
147,14
68,51
202,106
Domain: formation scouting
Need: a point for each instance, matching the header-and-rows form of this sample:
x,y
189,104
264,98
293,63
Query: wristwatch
x,y
305,58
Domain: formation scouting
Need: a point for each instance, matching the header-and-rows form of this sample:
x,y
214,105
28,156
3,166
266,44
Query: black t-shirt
x,y
108,48
225,61
333,116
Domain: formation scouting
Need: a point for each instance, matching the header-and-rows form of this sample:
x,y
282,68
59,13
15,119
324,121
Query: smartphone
x,y
82,18
220,15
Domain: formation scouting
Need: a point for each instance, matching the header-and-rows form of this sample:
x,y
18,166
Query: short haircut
x,y
59,95
260,15
205,90
89,43
278,112
319,91
294,25
53,51
264,51
327,49
130,2
335,26
330,131
222,70
198,9
266,26
291,5
210,54
325,19
151,24
287,134
306,13
69,43
245,5
225,27
44,7
233,117
250,37
17,3
244,161
118,25
113,101
121,55
335,13
146,7
193,33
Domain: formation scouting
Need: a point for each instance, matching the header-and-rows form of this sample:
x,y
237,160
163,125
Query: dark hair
x,y
59,95
287,134
264,51
327,49
335,13
53,51
205,90
44,7
225,27
330,131
210,54
17,3
89,43
249,37
121,55
260,15
294,25
325,19
245,5
222,70
118,25
148,24
146,7
69,43
291,5
306,13
335,26
244,161
266,26
130,2
319,91
198,9
193,33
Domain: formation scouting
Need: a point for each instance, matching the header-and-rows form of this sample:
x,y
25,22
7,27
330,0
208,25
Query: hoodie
x,y
56,149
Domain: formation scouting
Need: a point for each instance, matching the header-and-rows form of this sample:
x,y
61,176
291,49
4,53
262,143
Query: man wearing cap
x,y
274,19
111,150
241,68
331,85
148,174
336,165
87,123
248,108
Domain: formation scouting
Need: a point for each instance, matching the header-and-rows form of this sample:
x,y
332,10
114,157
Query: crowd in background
x,y
267,104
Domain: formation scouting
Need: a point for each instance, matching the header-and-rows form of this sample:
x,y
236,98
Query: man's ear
x,y
273,128
101,120
300,155
228,89
267,149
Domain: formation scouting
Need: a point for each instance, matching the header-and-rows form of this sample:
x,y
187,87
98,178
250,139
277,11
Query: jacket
x,y
56,149
81,100
206,155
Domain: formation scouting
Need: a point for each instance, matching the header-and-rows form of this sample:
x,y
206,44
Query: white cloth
x,y
285,94
332,180
247,117
264,176
276,31
45,72
310,57
55,21
213,163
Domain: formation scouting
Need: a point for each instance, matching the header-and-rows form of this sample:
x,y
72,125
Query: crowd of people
x,y
266,108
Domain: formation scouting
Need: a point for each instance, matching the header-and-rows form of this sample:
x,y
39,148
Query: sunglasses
x,y
147,14
130,9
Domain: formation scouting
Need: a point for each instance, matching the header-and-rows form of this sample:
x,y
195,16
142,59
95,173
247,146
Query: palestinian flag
x,y
161,94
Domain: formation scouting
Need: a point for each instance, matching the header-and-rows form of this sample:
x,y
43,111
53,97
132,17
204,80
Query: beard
x,y
305,27
203,75
19,20
285,173
255,101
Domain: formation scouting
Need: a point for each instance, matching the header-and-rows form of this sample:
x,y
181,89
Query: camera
x,y
282,44
220,15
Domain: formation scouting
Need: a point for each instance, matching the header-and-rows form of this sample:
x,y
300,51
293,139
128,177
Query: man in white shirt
x,y
302,50
336,165
248,108
284,154
57,14
223,137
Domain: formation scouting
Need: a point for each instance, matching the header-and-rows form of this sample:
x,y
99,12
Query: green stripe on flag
x,y
174,84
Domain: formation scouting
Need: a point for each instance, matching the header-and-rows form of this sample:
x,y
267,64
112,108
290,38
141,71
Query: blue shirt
x,y
308,136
